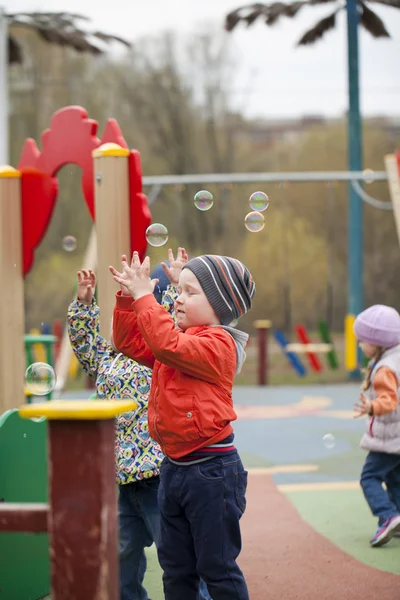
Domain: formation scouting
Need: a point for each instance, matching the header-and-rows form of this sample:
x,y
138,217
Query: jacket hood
x,y
240,338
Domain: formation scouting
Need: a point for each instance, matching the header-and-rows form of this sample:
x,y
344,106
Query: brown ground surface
x,y
283,558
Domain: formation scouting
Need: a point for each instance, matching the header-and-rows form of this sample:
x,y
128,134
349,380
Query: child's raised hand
x,y
86,286
135,278
176,266
124,289
362,408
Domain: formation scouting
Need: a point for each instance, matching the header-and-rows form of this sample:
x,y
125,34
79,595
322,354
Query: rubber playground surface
x,y
306,527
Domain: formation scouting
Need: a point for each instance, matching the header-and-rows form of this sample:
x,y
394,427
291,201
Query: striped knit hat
x,y
226,282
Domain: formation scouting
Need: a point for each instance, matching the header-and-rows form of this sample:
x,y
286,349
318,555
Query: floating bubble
x,y
40,379
368,175
329,441
69,243
254,221
157,235
259,201
203,200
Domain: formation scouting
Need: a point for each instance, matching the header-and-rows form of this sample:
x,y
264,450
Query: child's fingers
x,y
146,267
185,256
154,282
135,260
85,273
79,276
170,255
114,271
119,280
165,268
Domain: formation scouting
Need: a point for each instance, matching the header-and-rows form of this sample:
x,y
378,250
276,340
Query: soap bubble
x,y
40,379
203,200
259,201
368,176
254,221
329,441
69,243
157,235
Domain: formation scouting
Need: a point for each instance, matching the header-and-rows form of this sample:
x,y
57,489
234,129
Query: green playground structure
x,y
31,342
23,479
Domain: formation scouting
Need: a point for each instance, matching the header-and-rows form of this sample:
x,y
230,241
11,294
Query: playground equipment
x,y
262,327
81,517
39,348
292,350
112,189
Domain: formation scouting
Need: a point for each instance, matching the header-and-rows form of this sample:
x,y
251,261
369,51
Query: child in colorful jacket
x,y
138,456
378,332
202,493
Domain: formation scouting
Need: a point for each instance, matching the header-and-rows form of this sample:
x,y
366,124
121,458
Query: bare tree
x,y
177,99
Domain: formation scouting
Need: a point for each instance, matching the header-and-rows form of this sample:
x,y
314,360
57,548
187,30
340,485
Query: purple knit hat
x,y
378,325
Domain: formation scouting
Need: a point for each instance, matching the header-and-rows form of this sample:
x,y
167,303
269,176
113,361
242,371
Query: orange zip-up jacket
x,y
190,403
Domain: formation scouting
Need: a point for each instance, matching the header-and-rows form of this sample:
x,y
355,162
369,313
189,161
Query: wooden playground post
x,y
111,173
392,163
12,355
81,515
262,327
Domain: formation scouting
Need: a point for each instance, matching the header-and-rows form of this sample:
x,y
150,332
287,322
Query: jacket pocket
x,y
178,420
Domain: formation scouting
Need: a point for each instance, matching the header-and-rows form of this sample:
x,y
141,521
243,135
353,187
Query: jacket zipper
x,y
156,407
370,427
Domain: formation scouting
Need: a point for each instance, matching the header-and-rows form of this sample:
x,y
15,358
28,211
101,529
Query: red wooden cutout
x,y
71,139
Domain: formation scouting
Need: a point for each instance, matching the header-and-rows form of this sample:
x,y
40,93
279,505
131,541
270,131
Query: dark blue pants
x,y
382,468
139,527
200,508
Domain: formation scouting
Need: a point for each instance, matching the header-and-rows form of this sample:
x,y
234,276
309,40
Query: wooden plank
x,y
24,518
12,351
392,163
83,510
112,210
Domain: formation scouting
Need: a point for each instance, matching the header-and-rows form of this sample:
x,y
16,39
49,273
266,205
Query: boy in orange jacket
x,y
203,482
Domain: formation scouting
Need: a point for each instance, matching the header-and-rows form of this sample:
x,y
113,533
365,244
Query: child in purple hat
x,y
378,332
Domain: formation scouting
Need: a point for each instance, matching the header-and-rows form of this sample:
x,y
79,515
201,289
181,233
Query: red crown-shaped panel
x,y
71,139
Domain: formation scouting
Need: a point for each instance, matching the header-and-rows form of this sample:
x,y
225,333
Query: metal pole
x,y
277,177
355,216
3,88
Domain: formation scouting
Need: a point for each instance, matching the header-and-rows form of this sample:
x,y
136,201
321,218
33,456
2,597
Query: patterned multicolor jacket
x,y
138,456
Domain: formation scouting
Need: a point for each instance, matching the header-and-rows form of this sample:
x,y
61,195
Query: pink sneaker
x,y
386,531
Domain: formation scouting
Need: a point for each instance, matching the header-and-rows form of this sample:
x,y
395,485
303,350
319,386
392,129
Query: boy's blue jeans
x,y
200,507
139,527
382,468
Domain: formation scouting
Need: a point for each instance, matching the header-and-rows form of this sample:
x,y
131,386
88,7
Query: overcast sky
x,y
276,78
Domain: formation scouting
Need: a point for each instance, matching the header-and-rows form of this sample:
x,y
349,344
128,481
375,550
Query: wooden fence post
x,y
262,327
